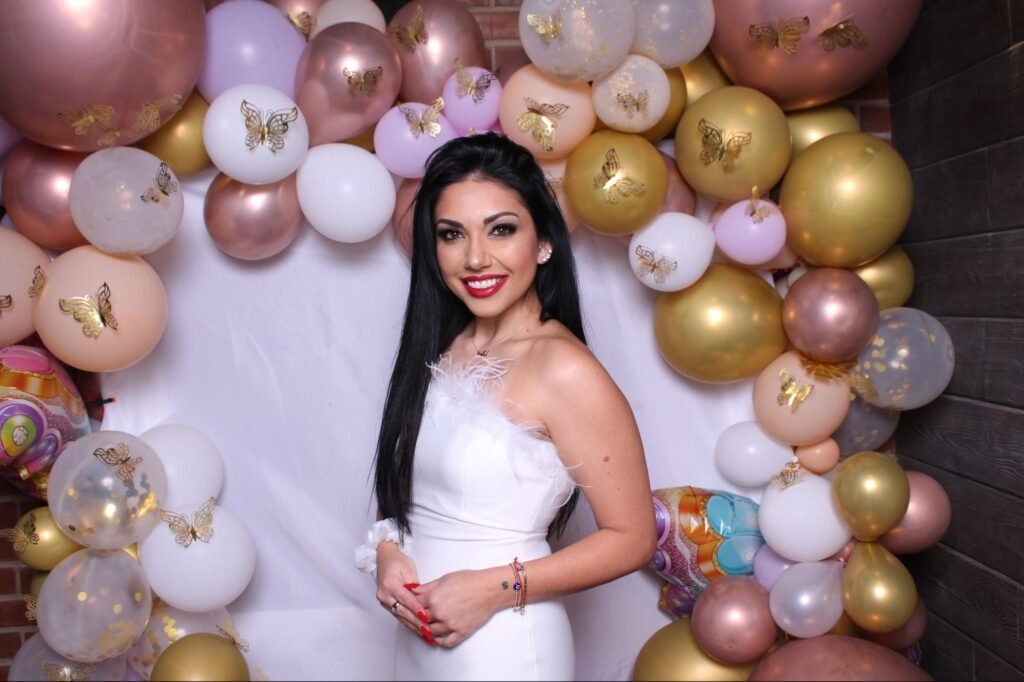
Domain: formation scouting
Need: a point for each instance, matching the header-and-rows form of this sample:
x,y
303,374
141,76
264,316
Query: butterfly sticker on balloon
x,y
540,120
426,122
121,460
186,530
411,35
302,20
791,392
468,86
68,671
94,314
162,189
6,301
633,104
228,630
648,263
38,282
362,82
785,35
614,181
844,34
548,28
721,147
267,128
85,118
22,536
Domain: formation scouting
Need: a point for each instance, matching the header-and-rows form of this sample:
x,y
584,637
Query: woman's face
x,y
487,245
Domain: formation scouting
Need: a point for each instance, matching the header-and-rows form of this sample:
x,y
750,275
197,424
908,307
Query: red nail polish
x,y
423,616
411,586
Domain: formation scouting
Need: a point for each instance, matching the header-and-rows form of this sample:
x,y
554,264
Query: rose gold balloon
x,y
36,185
429,35
835,657
795,404
830,314
302,13
906,635
252,222
401,221
732,622
85,75
926,520
348,76
809,52
20,260
819,458
680,198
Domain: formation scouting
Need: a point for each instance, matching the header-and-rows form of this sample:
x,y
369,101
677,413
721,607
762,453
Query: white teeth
x,y
483,283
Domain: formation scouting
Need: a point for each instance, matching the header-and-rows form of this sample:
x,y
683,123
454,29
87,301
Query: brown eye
x,y
503,229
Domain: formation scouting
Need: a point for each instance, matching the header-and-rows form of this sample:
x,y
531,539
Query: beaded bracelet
x,y
519,586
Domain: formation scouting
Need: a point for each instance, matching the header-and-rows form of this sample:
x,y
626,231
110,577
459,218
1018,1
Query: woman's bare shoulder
x,y
559,362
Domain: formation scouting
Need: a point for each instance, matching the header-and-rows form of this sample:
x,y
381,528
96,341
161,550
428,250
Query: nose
x,y
477,257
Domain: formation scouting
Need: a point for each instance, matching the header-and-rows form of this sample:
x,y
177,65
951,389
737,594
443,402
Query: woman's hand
x,y
396,580
461,602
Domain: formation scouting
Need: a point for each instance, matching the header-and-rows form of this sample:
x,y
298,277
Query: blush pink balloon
x,y
926,519
751,231
252,222
529,87
19,259
732,622
401,146
36,190
680,198
835,657
428,49
401,221
830,314
794,406
472,104
829,61
348,76
84,75
907,634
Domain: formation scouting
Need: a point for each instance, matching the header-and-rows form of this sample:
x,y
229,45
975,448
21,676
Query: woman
x,y
496,412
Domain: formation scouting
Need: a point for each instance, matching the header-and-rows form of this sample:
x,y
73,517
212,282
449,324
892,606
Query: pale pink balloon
x,y
471,99
20,259
548,116
830,314
252,222
680,198
121,300
85,75
751,231
36,187
429,35
404,140
401,221
348,76
796,407
842,45
819,458
732,622
926,520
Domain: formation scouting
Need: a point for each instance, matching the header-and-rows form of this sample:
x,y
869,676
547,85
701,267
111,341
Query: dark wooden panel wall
x,y
957,91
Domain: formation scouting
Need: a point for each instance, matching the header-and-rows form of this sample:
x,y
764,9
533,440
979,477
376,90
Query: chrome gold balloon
x,y
39,542
673,654
807,126
871,493
890,276
179,143
702,74
200,656
878,591
676,104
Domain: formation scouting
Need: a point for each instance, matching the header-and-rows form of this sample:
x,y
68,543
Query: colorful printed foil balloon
x,y
40,411
703,535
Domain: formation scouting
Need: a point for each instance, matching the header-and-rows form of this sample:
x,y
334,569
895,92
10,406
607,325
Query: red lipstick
x,y
475,284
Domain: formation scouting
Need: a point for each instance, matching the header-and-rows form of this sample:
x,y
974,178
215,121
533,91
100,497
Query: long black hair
x,y
434,316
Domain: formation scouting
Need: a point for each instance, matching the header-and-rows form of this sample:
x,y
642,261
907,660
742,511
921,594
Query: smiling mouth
x,y
482,287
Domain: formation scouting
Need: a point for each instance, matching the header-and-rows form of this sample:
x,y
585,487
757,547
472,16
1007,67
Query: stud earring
x,y
546,257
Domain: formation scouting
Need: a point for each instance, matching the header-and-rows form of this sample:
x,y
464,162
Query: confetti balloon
x,y
577,40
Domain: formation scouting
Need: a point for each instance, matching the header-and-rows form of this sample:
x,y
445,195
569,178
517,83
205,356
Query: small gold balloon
x,y
179,142
672,654
878,591
807,126
676,105
702,75
724,327
615,182
844,626
871,493
39,542
37,583
364,139
200,657
890,276
846,200
731,141
132,550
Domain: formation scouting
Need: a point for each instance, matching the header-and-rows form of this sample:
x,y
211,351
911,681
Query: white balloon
x,y
748,456
672,251
800,522
807,599
194,467
345,193
255,134
673,33
339,11
204,576
633,97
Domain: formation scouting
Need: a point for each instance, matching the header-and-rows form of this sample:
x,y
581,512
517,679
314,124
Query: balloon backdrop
x,y
890,276
810,125
878,590
633,96
577,40
672,251
22,266
168,625
201,656
672,33
799,402
192,464
548,116
179,143
732,622
836,657
36,661
38,540
830,314
252,222
926,520
672,653
788,527
36,182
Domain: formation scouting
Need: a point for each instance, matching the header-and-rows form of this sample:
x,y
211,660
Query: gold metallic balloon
x,y
676,104
364,139
672,654
871,493
733,140
37,583
724,327
844,626
132,550
615,182
179,143
807,126
890,276
878,591
846,200
702,75
200,657
39,542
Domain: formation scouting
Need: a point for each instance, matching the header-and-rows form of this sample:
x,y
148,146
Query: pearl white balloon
x,y
345,193
243,146
339,11
672,251
633,97
800,522
807,599
673,32
749,457
194,467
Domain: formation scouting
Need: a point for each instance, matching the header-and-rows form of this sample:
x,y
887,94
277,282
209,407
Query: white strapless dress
x,y
485,490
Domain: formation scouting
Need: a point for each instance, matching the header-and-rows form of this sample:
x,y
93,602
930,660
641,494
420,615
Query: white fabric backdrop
x,y
284,364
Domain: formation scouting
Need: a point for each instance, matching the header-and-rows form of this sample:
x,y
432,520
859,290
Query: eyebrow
x,y
488,219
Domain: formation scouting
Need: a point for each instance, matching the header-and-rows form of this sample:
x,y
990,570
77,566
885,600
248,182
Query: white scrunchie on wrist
x,y
382,531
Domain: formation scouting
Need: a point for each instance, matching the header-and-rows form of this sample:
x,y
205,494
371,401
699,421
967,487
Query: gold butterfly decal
x,y
467,86
30,607
200,527
38,282
93,313
755,211
633,104
120,459
843,34
715,149
150,116
227,629
791,392
6,301
539,121
86,117
789,475
23,535
426,122
362,81
415,33
613,180
68,671
547,27
270,132
647,262
164,188
786,36
302,20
